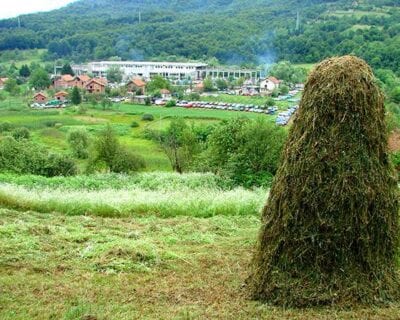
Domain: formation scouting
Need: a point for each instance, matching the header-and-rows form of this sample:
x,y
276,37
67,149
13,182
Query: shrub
x,y
79,142
170,103
147,117
125,162
134,124
25,157
5,126
50,123
21,133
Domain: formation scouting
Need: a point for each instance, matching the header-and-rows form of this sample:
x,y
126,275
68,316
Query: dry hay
x,y
330,226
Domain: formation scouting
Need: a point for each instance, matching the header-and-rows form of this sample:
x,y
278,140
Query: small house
x,y
136,85
40,97
165,94
268,85
81,80
2,82
61,96
95,85
199,87
65,81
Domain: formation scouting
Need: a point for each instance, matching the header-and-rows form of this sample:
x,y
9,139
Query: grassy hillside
x,y
259,31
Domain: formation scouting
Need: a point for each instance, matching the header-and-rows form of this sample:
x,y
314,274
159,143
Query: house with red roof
x,y
269,84
96,85
40,97
136,85
165,94
61,96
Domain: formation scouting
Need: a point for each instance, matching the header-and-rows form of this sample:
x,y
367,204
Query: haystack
x,y
330,227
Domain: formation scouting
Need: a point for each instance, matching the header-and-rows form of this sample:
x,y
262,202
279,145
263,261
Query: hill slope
x,y
233,31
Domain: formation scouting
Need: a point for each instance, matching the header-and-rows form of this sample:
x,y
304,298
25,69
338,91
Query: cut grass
x,y
54,266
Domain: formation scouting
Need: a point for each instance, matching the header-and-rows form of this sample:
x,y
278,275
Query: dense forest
x,y
232,31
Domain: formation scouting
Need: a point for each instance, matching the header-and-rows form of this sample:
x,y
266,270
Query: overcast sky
x,y
13,8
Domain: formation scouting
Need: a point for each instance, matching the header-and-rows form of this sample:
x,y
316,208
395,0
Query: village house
x,y
136,85
268,85
61,96
199,87
96,85
140,99
40,97
81,80
63,82
165,94
2,82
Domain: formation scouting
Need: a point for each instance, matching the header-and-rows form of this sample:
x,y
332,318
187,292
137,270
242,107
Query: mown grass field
x,y
60,264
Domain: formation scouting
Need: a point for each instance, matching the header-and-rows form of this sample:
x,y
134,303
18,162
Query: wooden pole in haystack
x,y
330,228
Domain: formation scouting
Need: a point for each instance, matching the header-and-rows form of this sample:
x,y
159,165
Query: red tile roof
x,y
165,91
61,93
67,77
40,94
274,80
138,82
83,77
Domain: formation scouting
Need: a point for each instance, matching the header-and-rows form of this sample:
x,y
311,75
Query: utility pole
x,y
19,22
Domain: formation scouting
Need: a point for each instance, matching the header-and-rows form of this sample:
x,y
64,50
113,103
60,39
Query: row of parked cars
x,y
284,117
227,106
49,105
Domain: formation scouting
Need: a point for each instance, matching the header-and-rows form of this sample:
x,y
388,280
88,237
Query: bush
x,y
125,161
50,123
134,124
170,103
244,151
147,117
21,133
79,142
5,126
25,157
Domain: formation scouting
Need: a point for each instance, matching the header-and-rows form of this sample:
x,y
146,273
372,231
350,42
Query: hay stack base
x,y
329,231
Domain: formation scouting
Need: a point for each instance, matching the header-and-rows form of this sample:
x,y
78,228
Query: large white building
x,y
147,70
168,70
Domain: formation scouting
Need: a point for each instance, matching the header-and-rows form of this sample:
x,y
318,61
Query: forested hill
x,y
233,31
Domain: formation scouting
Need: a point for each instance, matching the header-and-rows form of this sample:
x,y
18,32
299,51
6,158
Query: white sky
x,y
13,8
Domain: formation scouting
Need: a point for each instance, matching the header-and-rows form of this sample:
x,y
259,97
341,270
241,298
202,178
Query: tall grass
x,y
134,202
147,194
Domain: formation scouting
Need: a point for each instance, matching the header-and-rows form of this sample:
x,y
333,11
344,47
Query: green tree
x,y
76,97
113,156
40,79
180,144
11,86
221,84
24,71
208,85
78,140
114,74
157,83
67,69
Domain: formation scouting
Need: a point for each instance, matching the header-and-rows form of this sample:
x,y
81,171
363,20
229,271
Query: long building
x,y
168,70
147,70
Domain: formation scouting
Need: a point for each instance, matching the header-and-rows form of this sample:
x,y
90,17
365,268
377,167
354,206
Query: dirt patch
x,y
394,141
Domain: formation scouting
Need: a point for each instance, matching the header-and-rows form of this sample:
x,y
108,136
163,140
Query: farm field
x,y
50,127
61,264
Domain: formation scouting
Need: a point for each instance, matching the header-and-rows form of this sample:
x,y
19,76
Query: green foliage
x,y
112,155
25,157
24,71
11,86
170,103
147,117
221,84
39,79
114,74
76,97
284,89
287,72
78,140
395,94
246,152
21,133
134,124
156,84
269,102
179,143
67,69
208,85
